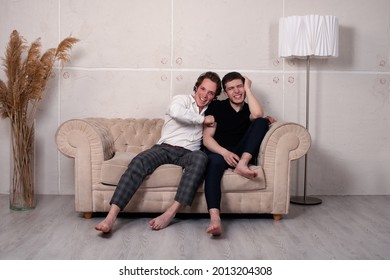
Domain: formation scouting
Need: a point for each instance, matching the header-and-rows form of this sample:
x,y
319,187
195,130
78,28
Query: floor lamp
x,y
310,36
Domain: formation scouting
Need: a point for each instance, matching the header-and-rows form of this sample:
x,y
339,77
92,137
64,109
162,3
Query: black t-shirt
x,y
231,125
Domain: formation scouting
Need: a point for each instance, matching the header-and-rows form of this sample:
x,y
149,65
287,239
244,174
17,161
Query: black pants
x,y
217,165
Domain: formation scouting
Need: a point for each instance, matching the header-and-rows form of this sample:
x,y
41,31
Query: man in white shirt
x,y
179,144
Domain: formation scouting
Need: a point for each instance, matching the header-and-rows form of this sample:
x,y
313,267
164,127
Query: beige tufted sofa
x,y
102,149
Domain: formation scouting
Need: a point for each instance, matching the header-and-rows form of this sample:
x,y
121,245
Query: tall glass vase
x,y
22,195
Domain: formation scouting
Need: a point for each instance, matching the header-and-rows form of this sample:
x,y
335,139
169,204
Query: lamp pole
x,y
306,200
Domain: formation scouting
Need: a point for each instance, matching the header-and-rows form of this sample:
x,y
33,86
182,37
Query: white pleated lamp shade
x,y
310,35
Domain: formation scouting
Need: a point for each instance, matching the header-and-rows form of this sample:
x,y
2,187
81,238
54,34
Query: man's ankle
x,y
214,213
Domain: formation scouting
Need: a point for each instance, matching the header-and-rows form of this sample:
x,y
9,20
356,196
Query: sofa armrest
x,y
89,142
283,143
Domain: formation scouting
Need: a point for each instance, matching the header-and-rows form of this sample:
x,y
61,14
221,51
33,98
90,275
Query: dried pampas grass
x,y
28,74
27,79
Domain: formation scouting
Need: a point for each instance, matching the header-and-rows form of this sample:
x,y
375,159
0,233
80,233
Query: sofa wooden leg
x,y
87,215
277,217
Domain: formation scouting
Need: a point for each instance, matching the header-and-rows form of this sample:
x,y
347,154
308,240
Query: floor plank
x,y
342,228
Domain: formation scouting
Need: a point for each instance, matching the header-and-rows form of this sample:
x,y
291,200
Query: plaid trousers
x,y
193,162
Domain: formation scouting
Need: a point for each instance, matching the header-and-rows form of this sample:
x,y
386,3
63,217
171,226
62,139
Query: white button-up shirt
x,y
183,123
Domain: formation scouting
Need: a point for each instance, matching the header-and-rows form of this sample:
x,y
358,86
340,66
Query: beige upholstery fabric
x,y
102,148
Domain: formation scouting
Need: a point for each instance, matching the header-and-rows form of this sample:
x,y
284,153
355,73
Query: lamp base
x,y
305,200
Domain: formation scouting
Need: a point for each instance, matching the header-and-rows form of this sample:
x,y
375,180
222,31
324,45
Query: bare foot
x,y
243,170
105,226
161,221
215,228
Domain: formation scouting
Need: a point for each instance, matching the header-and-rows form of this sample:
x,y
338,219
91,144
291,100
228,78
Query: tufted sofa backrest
x,y
135,135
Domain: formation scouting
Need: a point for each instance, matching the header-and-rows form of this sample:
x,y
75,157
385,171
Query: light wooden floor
x,y
342,227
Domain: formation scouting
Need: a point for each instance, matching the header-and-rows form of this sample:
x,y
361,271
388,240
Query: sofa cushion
x,y
168,175
113,168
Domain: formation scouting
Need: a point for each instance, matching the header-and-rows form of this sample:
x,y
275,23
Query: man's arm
x,y
212,145
255,106
180,110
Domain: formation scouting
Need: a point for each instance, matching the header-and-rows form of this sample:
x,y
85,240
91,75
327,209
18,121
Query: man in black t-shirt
x,y
234,140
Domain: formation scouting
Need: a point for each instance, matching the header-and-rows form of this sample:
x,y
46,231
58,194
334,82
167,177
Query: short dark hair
x,y
230,77
211,76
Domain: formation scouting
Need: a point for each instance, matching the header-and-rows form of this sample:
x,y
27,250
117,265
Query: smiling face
x,y
205,93
235,91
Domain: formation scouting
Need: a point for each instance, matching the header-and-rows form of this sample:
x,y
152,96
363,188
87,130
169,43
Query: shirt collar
x,y
193,102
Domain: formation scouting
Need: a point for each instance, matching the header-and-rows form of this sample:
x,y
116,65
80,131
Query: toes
x,y
214,230
103,228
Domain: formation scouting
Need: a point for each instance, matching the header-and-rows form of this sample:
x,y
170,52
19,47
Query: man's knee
x,y
137,161
216,161
262,122
199,156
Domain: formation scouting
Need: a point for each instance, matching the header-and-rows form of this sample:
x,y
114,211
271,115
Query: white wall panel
x,y
46,123
32,19
120,33
116,94
225,34
350,130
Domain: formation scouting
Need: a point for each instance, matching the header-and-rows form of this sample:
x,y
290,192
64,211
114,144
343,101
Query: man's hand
x,y
209,121
231,158
247,84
